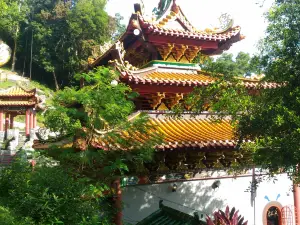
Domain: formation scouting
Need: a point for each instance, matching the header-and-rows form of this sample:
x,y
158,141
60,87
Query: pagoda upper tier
x,y
169,36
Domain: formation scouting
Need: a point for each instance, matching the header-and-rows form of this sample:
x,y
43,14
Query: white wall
x,y
141,201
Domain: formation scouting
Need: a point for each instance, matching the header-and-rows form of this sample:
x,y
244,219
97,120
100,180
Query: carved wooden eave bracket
x,y
156,100
175,100
118,63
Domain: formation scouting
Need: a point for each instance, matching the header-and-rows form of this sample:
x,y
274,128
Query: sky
x,y
249,14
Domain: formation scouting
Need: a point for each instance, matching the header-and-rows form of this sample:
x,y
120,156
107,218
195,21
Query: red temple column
x,y
1,120
34,119
6,121
297,203
118,201
27,118
31,119
11,124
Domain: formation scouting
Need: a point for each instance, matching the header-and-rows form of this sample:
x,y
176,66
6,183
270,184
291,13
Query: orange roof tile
x,y
200,79
179,76
186,78
194,132
189,132
17,103
17,91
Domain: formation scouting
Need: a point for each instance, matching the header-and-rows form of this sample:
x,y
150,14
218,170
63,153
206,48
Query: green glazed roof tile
x,y
169,216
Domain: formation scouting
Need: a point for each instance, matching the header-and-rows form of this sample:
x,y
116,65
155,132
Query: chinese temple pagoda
x,y
155,58
18,101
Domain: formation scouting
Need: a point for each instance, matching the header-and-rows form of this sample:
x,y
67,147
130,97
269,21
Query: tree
x,y
12,14
36,197
269,117
55,38
241,66
96,116
106,143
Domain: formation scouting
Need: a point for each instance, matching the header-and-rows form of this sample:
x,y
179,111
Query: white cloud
x,y
204,13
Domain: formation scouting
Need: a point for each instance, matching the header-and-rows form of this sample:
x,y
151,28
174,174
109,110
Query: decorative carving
x,y
165,50
194,160
178,51
175,161
226,22
156,99
119,54
192,52
174,101
162,7
162,107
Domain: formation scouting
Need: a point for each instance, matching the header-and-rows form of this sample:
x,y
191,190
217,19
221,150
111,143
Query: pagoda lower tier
x,y
190,143
162,85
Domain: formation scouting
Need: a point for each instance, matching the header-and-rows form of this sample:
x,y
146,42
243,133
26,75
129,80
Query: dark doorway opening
x,y
273,216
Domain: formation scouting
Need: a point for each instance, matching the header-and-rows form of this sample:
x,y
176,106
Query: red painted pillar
x,y
31,119
6,121
27,118
1,120
34,119
297,203
118,201
11,124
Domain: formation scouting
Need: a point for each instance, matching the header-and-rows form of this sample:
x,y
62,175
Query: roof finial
x,y
139,7
162,7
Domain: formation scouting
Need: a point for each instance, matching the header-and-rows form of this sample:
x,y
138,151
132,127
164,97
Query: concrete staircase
x,y
6,157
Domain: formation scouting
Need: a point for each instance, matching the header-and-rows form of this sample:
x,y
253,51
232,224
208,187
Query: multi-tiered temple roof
x,y
155,58
169,36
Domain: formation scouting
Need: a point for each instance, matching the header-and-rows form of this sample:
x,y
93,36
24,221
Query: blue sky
x,y
204,13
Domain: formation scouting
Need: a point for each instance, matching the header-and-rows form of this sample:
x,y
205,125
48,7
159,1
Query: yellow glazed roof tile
x,y
179,76
17,103
188,133
17,91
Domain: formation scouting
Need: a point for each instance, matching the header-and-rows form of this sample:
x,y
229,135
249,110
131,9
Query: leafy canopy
x,y
105,140
269,117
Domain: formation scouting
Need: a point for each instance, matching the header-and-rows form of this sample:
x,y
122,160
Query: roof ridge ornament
x,y
225,23
139,7
162,7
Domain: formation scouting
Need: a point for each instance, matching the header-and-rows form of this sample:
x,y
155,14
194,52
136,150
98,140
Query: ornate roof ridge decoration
x,y
173,77
171,13
17,91
119,63
171,37
175,13
207,34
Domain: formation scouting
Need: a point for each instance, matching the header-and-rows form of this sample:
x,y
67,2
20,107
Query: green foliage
x,y
9,218
269,117
61,35
109,144
241,66
6,84
231,217
12,13
47,195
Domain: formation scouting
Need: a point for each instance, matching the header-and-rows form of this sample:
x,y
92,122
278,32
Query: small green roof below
x,y
169,216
